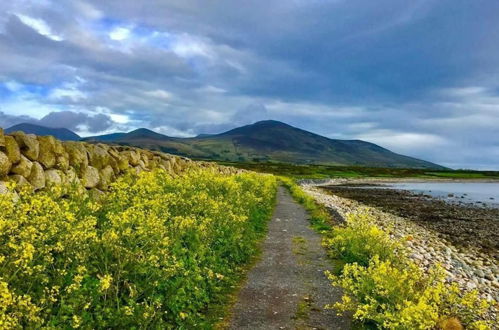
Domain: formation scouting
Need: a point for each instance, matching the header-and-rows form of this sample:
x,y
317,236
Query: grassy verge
x,y
154,252
325,171
382,286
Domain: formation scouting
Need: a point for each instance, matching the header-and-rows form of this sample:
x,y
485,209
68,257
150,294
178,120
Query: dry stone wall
x,y
39,161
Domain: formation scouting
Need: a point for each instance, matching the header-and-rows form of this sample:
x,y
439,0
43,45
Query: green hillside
x,y
270,141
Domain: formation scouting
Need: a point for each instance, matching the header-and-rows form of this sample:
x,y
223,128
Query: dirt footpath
x,y
287,288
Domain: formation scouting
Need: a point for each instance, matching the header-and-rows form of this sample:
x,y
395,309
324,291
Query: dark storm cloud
x,y
68,119
418,77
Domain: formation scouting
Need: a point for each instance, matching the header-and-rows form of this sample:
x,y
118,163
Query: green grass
x,y
325,172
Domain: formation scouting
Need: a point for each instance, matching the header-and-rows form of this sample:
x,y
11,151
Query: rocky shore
x,y
469,266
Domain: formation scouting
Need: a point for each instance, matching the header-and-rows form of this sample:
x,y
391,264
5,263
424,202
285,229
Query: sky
x,y
418,77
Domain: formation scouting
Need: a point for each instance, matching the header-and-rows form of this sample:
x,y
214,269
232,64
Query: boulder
x,y
96,194
2,138
12,149
106,177
77,155
30,147
62,162
90,177
5,164
20,181
37,176
123,163
138,169
23,167
53,177
46,156
59,148
167,166
3,188
132,156
114,164
71,177
98,156
142,165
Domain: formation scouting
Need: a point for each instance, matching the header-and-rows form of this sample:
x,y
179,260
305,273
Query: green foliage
x,y
383,286
324,171
360,240
396,297
319,216
152,253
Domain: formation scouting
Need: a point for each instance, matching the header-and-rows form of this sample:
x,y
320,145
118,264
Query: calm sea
x,y
471,192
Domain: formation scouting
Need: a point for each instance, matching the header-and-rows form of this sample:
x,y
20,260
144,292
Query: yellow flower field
x,y
153,252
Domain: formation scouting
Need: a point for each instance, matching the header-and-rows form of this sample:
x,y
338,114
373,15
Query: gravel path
x,y
287,288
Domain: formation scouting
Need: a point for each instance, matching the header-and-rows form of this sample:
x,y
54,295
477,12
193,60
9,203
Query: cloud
x,y
76,121
421,78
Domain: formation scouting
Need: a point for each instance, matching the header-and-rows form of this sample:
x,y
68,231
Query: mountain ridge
x,y
61,133
263,141
271,140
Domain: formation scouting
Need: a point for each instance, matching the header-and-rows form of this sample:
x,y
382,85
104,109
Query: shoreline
x,y
469,267
322,182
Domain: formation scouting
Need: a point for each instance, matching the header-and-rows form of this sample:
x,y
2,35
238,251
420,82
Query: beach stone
x,y
90,178
23,167
12,149
30,147
37,176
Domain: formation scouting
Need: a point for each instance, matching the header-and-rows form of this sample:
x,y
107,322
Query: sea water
x,y
469,192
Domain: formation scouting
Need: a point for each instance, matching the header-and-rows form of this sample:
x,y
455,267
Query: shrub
x,y
319,216
382,285
153,252
360,240
405,298
391,297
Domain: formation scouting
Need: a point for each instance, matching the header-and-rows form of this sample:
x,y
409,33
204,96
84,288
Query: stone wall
x,y
39,161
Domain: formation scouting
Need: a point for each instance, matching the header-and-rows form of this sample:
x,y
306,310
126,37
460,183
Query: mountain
x,y
59,133
271,141
138,134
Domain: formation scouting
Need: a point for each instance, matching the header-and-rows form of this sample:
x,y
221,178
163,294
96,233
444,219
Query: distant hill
x,y
59,133
270,141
